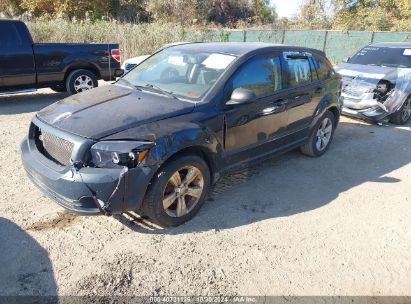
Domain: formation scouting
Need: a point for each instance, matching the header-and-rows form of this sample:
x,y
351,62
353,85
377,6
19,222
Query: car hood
x,y
349,70
110,109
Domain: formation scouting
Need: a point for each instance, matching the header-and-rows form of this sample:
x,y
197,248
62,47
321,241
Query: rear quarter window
x,y
9,35
324,68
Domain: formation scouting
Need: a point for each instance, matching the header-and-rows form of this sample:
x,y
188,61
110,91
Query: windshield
x,y
383,56
181,73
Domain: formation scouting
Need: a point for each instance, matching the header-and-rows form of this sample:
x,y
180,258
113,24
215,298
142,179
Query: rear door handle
x,y
299,100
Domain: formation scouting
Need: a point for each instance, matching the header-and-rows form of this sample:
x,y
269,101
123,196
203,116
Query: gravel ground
x,y
336,225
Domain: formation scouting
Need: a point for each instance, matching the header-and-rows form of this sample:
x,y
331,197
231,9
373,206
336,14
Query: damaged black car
x,y
377,83
156,140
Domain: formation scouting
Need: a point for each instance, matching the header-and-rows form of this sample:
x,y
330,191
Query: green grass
x,y
134,39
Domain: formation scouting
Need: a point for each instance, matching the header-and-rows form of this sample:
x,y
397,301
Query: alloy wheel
x,y
406,110
324,134
83,83
183,191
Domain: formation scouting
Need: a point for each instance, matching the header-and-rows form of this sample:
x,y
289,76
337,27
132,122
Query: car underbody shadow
x,y
139,223
294,183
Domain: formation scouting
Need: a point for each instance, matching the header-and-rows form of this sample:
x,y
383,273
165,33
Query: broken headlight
x,y
109,154
383,89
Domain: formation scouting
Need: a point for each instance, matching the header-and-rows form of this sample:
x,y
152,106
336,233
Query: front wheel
x,y
80,80
178,191
321,136
402,116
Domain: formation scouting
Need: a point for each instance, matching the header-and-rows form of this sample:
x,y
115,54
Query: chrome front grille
x,y
54,148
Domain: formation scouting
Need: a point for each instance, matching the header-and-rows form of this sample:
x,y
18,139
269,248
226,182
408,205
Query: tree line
x,y
375,15
182,11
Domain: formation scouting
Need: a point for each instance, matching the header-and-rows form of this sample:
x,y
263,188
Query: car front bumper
x,y
371,115
78,190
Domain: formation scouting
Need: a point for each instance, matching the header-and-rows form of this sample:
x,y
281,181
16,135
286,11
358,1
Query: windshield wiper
x,y
390,65
157,88
128,83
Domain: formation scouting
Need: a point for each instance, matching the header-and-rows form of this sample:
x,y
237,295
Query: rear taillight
x,y
116,54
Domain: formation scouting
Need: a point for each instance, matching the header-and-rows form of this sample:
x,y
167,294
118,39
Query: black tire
x,y
59,89
74,76
402,116
310,148
153,202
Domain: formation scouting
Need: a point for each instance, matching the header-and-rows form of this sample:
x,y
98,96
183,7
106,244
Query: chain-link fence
x,y
336,44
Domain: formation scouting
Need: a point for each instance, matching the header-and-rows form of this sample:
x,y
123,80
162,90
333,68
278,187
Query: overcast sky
x,y
286,8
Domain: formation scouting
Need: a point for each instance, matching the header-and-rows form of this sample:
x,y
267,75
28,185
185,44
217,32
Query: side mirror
x,y
241,96
345,60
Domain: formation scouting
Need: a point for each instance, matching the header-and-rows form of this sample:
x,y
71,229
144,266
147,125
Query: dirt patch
x,y
335,225
63,220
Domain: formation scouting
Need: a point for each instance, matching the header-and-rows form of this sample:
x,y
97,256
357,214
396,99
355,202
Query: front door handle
x,y
269,110
276,107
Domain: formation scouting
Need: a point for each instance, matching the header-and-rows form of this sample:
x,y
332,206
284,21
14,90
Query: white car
x,y
132,62
377,83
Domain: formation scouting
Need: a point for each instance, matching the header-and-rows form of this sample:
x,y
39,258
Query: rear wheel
x,y
178,191
80,80
402,116
321,136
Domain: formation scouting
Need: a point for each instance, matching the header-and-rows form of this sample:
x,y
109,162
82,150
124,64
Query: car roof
x,y
9,20
392,44
239,48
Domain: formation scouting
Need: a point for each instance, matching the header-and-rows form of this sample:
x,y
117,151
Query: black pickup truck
x,y
72,67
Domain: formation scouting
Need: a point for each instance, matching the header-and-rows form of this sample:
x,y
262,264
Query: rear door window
x,y
261,74
10,36
298,70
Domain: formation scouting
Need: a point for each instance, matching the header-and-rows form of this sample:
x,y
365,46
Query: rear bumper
x,y
75,190
110,71
112,75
